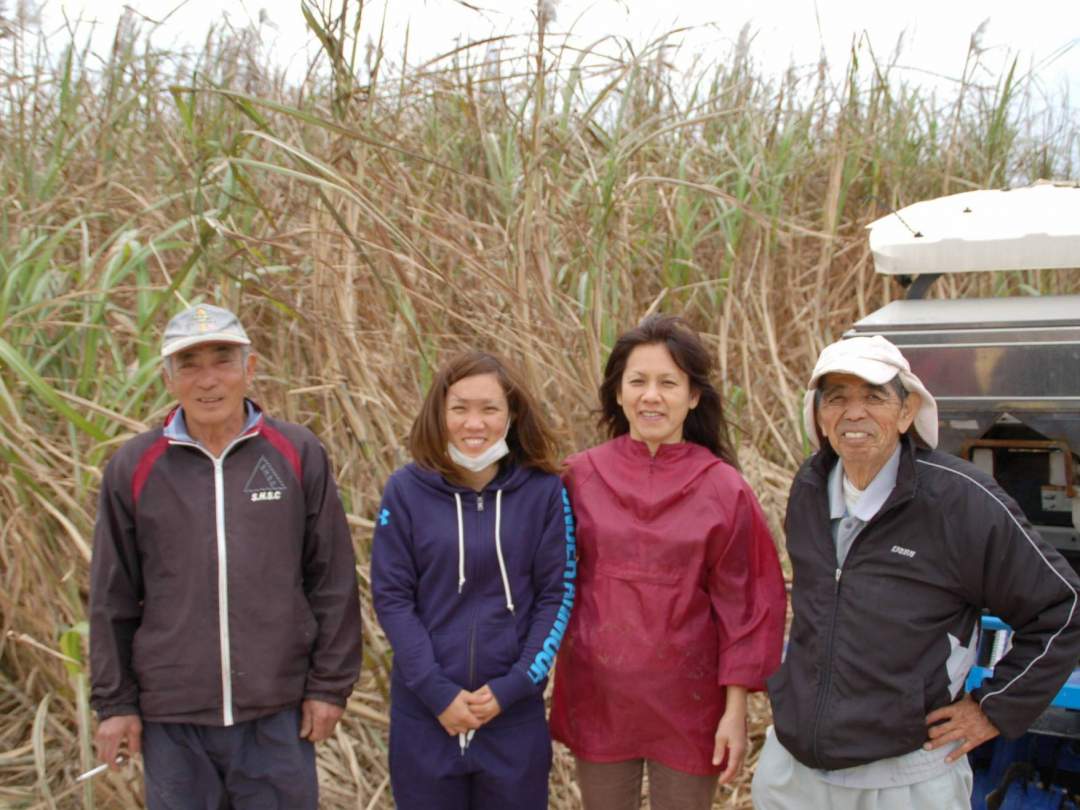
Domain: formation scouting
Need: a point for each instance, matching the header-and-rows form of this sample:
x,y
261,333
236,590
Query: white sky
x,y
1045,34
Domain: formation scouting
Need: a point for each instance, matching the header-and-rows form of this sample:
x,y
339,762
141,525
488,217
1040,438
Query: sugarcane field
x,y
393,264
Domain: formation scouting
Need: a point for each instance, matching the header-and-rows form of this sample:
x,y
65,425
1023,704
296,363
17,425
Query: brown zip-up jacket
x,y
222,589
874,641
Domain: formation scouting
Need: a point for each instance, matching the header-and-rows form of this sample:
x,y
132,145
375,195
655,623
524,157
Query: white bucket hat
x,y
877,361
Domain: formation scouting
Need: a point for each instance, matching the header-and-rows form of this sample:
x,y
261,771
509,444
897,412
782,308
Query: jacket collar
x,y
825,459
873,497
175,427
638,451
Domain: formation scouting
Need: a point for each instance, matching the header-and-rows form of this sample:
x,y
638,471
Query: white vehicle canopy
x,y
1005,371
1031,228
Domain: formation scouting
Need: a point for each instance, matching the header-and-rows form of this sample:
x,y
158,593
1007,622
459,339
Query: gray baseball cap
x,y
204,323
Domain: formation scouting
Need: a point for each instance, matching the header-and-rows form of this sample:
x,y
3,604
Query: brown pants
x,y
617,786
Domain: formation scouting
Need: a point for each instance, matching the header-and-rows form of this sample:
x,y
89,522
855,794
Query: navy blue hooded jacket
x,y
457,618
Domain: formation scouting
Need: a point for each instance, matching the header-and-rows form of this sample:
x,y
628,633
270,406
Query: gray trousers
x,y
781,782
261,764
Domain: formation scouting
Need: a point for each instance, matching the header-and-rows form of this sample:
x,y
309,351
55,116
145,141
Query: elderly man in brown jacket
x,y
224,617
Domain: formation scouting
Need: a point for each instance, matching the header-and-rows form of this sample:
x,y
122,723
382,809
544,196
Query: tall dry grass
x,y
522,195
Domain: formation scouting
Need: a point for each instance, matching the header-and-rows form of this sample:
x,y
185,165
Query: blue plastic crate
x,y
1067,698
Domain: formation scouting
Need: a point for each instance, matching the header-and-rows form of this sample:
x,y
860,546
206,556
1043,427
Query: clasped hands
x,y
469,710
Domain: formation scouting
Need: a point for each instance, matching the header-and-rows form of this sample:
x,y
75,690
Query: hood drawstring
x,y
498,551
460,545
464,738
498,548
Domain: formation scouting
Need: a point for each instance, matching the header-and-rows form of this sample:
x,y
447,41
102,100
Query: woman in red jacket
x,y
680,602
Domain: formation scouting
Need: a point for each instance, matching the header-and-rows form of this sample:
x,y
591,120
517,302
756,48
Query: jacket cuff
x,y
105,712
999,715
512,687
750,679
436,692
325,697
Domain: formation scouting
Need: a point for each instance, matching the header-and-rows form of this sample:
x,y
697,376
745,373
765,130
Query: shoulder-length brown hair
x,y
705,424
530,439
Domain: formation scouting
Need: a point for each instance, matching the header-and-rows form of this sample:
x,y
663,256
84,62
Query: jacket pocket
x,y
452,652
634,573
915,730
498,649
890,724
787,721
307,629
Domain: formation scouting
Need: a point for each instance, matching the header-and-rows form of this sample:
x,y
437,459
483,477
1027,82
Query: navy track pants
x,y
260,764
503,766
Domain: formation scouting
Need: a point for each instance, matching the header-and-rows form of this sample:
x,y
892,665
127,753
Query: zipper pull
x,y
479,502
837,580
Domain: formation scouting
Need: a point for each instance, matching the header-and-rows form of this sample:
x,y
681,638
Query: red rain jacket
x,y
680,594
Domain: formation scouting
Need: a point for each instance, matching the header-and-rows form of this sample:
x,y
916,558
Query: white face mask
x,y
481,462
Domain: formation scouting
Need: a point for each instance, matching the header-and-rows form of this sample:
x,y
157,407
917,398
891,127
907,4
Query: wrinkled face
x,y
209,381
477,413
655,395
863,422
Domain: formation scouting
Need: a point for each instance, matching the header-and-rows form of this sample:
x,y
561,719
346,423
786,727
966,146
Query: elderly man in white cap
x,y
224,615
895,550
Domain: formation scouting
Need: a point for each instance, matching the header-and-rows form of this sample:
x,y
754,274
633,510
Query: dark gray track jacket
x,y
866,658
221,589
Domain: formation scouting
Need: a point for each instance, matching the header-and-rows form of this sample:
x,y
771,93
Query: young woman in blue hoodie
x,y
472,572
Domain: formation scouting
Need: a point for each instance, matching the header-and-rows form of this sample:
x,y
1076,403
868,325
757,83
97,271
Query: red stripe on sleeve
x,y
285,447
146,463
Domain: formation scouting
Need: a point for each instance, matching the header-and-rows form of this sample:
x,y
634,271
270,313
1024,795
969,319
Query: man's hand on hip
x,y
318,718
116,732
962,722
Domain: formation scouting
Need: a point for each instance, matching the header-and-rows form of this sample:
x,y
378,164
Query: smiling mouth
x,y
210,400
651,415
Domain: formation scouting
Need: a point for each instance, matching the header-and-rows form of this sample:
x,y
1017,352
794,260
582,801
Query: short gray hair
x,y
896,384
167,362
